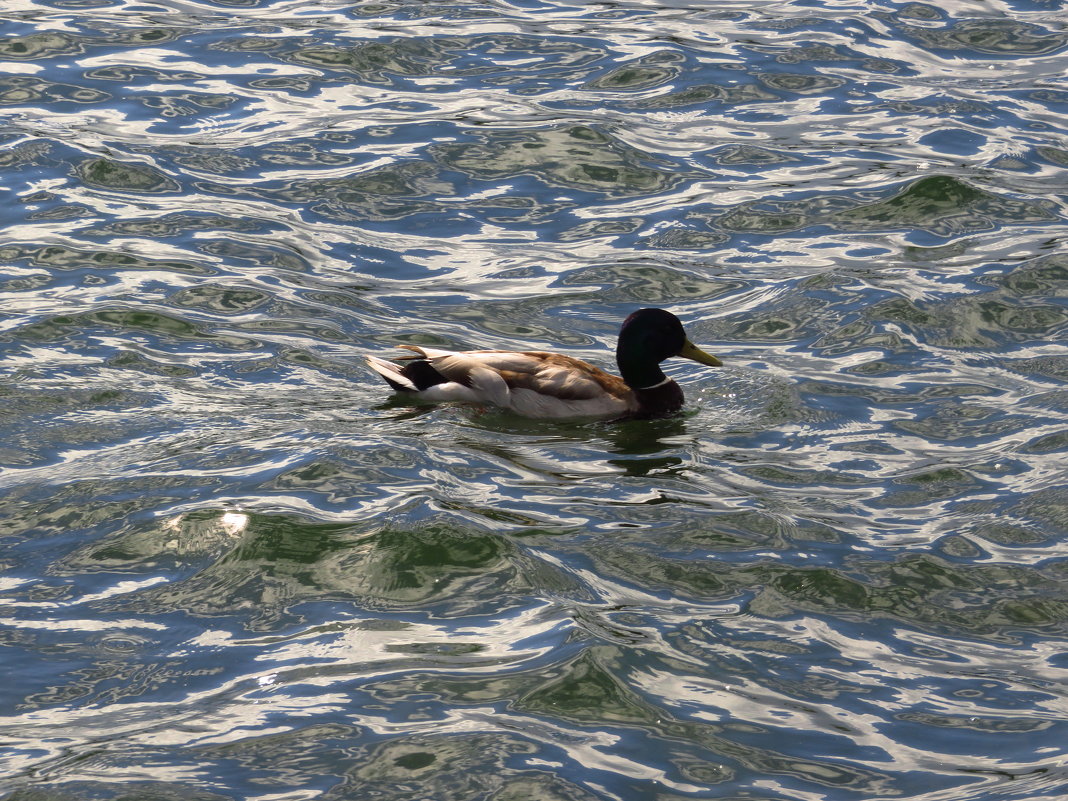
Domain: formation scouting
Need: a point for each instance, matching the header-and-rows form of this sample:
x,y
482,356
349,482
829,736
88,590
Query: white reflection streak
x,y
368,647
228,713
767,707
165,61
198,719
122,588
79,625
591,749
128,458
234,523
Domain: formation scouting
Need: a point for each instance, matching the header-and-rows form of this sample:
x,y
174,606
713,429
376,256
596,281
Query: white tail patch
x,y
450,391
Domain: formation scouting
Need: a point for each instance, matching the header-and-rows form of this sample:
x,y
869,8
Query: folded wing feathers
x,y
562,382
511,379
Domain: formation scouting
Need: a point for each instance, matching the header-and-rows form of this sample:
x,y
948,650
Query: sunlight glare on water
x,y
234,566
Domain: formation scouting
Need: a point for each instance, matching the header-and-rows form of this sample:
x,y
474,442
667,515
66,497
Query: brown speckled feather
x,y
565,377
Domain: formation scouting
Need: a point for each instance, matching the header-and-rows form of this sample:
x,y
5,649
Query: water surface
x,y
234,568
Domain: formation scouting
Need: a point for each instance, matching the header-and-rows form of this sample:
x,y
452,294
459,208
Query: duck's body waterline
x,y
549,385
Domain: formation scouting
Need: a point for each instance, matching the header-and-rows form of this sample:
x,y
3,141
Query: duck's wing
x,y
532,383
561,377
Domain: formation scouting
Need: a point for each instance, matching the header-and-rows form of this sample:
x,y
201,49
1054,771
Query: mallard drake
x,y
548,385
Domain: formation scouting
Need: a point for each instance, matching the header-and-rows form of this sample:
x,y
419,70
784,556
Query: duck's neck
x,y
638,372
658,401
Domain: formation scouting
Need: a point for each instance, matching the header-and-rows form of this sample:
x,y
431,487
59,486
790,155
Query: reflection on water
x,y
234,567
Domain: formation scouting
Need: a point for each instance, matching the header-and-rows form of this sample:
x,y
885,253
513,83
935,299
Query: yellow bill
x,y
691,351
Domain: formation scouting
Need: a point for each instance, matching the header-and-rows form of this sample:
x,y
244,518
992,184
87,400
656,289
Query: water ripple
x,y
235,567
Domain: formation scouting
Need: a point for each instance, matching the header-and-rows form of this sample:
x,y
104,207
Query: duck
x,y
540,384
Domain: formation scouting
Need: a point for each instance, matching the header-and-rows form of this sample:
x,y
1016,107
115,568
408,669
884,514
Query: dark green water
x,y
232,567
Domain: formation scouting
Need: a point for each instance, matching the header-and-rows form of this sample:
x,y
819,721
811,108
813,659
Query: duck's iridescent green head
x,y
648,337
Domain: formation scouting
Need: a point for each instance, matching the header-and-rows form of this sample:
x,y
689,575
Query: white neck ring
x,y
654,386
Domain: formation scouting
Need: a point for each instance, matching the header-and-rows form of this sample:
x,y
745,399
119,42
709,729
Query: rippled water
x,y
234,567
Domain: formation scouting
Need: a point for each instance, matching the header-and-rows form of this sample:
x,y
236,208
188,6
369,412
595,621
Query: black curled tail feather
x,y
422,374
